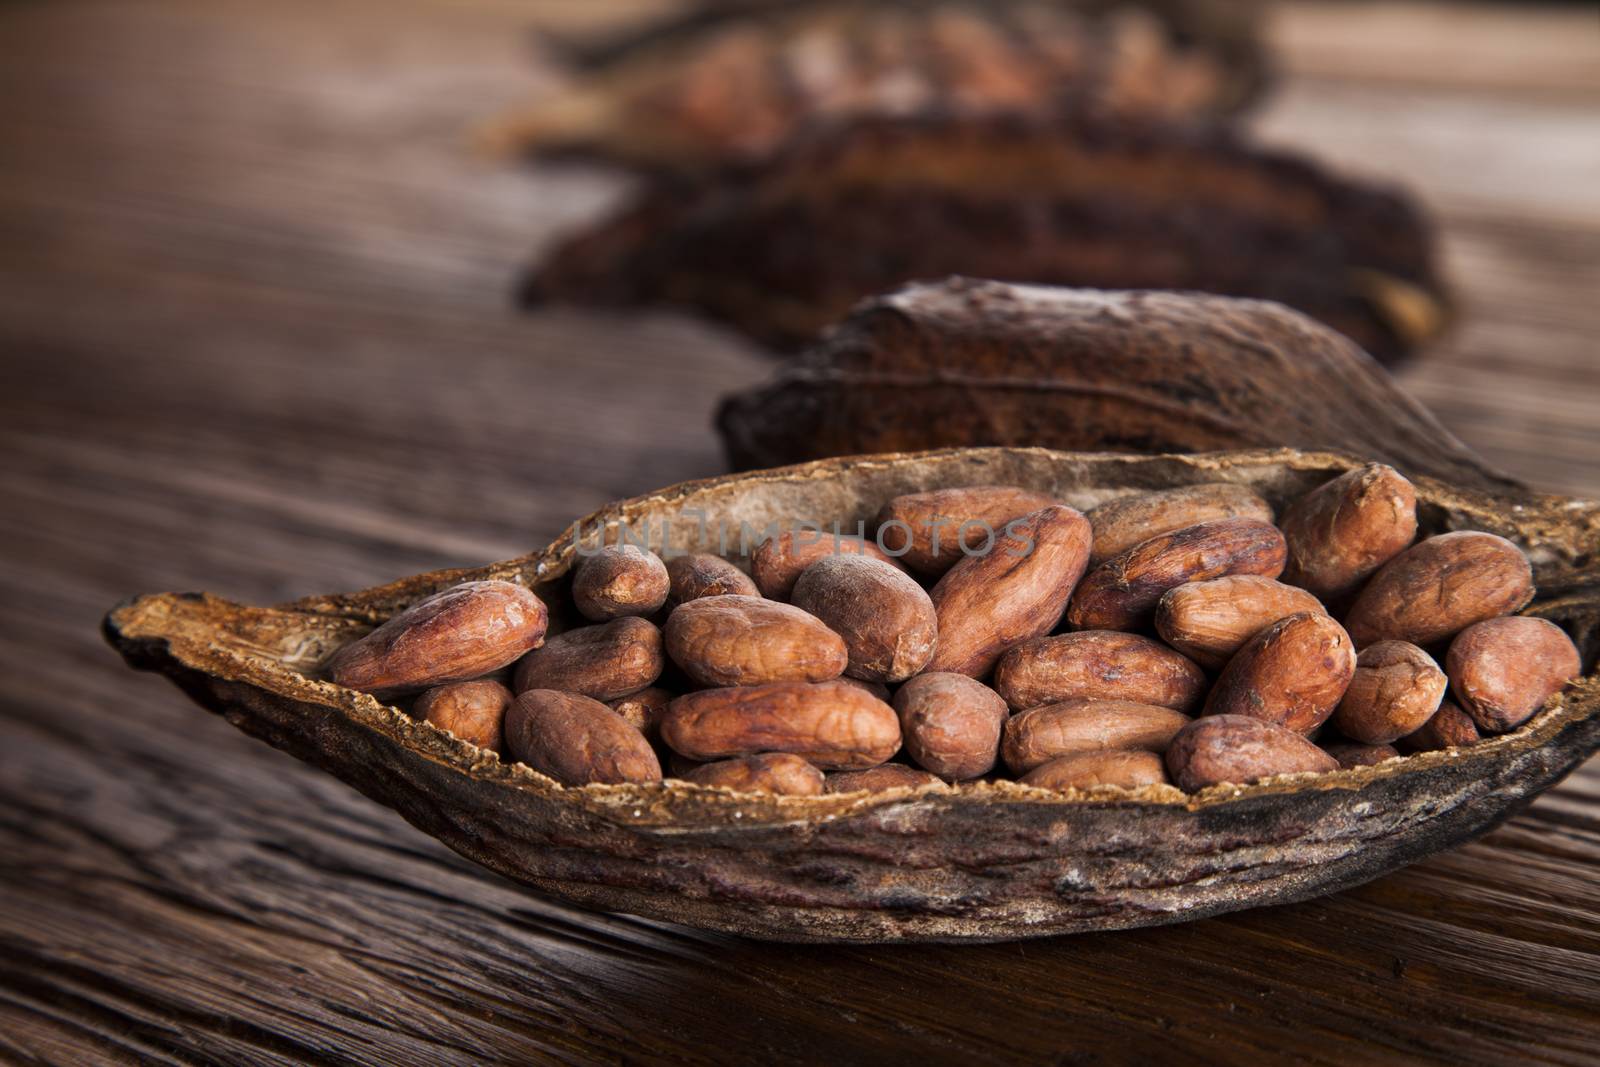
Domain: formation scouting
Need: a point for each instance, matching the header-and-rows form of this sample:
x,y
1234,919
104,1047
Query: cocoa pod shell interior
x,y
983,861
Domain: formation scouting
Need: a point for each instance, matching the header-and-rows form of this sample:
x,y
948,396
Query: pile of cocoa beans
x,y
1202,645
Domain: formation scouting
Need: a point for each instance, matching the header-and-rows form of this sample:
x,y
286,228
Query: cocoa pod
x,y
454,635
474,711
1292,674
932,532
643,710
987,604
1342,531
715,84
1238,749
742,640
606,661
1084,770
699,575
1354,754
832,725
1068,199
1097,665
880,779
619,580
1396,688
885,618
1450,727
779,561
1440,586
770,772
1209,621
1503,670
1041,735
1122,593
951,724
577,740
1127,521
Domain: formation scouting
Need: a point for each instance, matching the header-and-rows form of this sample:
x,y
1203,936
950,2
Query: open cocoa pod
x,y
982,860
783,250
730,82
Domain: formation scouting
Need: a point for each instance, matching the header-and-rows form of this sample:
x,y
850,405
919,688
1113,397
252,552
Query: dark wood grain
x,y
255,338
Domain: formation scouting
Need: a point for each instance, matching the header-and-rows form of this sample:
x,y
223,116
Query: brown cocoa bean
x,y
833,725
1084,770
1239,749
699,575
879,779
577,740
619,580
1342,531
1353,754
1127,521
1440,586
743,640
770,772
1097,665
884,616
1209,621
1450,727
1503,670
454,635
643,710
605,662
1396,688
474,711
951,724
877,689
1122,593
988,604
779,561
1292,674
932,532
1043,734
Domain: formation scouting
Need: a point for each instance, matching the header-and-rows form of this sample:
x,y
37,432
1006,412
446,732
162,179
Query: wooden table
x,y
255,338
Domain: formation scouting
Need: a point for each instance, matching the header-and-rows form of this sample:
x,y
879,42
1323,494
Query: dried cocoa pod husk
x,y
712,85
966,362
980,861
783,250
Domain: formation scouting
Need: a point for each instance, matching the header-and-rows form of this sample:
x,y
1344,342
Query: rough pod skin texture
x,y
831,725
473,711
1240,750
1097,665
743,640
1083,770
1503,670
771,772
879,779
604,662
1450,727
987,604
932,532
1043,734
884,616
1396,689
1127,521
643,710
1353,754
694,576
951,724
1122,593
1210,621
1344,530
1440,586
576,740
779,561
455,635
1292,674
619,580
